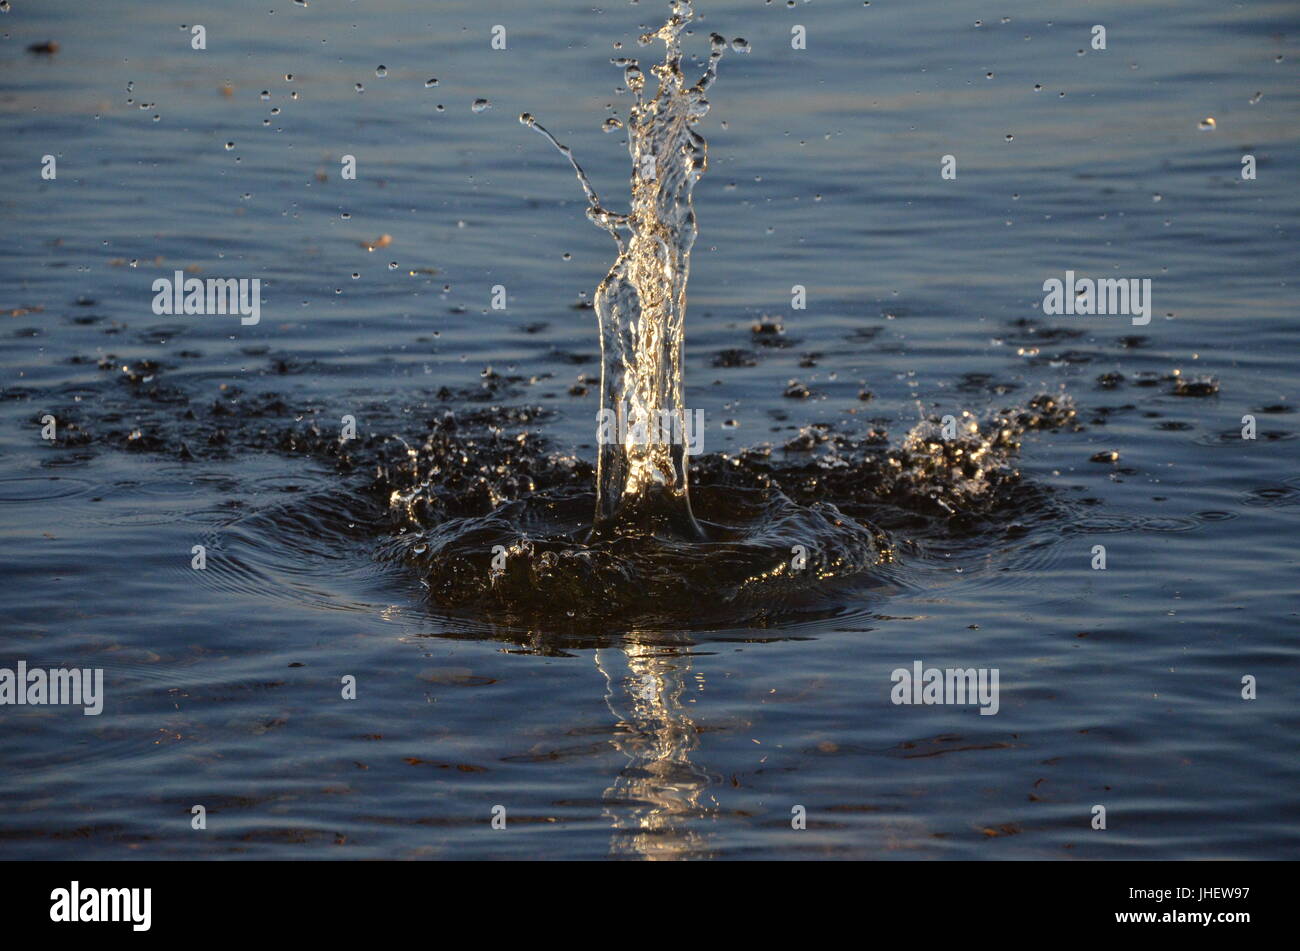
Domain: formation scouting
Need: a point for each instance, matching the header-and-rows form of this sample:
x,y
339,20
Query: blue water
x,y
1119,687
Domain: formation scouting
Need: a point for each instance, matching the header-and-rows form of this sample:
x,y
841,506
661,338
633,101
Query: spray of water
x,y
641,475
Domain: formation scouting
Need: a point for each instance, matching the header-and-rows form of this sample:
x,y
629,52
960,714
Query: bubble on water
x,y
609,125
740,44
481,105
381,71
1207,124
430,83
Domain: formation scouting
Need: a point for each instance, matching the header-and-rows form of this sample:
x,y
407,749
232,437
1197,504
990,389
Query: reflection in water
x,y
655,802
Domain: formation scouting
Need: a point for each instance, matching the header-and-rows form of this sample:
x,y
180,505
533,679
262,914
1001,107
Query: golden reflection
x,y
659,802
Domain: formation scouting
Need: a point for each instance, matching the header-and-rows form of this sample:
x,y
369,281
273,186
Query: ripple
x,y
35,489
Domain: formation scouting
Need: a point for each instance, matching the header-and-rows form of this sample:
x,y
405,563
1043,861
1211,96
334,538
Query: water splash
x,y
641,473
494,523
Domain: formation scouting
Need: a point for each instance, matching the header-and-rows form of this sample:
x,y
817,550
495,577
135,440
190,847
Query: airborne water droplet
x,y
381,71
1207,124
430,83
481,105
609,125
740,44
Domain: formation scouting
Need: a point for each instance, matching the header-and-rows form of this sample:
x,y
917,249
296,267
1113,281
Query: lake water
x,y
699,729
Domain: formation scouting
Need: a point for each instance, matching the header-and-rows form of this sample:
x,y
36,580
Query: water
x,y
641,471
642,694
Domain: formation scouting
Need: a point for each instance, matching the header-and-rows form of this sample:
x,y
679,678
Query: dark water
x,y
692,725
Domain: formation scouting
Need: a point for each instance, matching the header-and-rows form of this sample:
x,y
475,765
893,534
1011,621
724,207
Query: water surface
x,y
634,736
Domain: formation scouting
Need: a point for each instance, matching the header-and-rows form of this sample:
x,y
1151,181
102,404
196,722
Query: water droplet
x,y
1207,124
392,265
1256,98
430,83
381,71
481,105
288,77
1038,87
740,44
360,88
266,95
1157,197
229,146
1010,137
609,125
